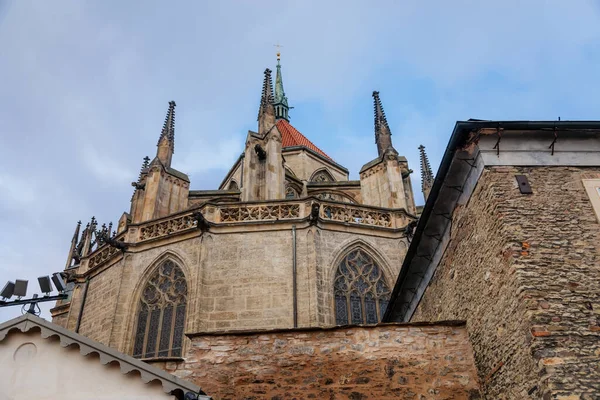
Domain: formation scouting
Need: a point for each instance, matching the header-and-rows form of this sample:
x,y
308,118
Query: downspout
x,y
294,290
242,172
85,290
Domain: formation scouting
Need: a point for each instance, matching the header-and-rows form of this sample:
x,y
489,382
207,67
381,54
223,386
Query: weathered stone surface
x,y
400,361
524,271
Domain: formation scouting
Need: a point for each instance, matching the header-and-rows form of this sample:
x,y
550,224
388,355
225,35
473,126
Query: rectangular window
x,y
592,186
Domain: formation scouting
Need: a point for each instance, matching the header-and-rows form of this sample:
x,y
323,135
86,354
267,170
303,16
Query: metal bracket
x,y
467,160
436,236
455,187
428,258
524,185
497,146
555,138
444,215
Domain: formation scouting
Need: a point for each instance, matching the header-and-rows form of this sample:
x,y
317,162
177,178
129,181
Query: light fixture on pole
x,y
18,288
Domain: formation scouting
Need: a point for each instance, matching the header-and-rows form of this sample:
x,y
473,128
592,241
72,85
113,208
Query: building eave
x,y
170,383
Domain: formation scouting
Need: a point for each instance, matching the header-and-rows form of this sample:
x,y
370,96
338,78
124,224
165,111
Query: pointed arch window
x,y
233,186
361,294
322,176
161,314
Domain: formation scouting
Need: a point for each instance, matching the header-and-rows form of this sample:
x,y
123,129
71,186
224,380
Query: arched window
x,y
290,193
233,185
361,294
161,315
322,176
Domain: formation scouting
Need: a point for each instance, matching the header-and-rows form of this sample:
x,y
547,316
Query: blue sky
x,y
86,85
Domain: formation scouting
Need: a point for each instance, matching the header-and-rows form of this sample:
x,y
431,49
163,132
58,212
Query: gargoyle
x,y
260,152
314,213
138,185
202,223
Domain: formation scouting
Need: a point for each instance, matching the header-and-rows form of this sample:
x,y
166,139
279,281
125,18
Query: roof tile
x,y
290,136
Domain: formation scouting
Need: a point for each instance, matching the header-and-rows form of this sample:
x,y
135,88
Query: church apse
x,y
244,244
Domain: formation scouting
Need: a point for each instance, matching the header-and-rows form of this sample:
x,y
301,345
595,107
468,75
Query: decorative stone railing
x,y
104,253
237,214
357,215
267,212
167,227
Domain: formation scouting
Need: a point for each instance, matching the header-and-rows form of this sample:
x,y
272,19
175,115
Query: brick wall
x,y
379,362
524,271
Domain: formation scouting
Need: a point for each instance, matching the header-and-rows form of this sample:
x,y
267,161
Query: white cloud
x,y
87,84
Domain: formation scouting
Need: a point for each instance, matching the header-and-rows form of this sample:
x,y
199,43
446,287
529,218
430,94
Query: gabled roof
x,y
170,383
290,137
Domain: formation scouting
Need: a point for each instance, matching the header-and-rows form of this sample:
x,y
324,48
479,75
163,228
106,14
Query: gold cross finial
x,y
278,46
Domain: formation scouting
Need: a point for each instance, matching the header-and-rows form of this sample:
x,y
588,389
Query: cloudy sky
x,y
86,84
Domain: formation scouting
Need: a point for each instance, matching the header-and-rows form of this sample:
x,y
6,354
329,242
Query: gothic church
x,y
286,241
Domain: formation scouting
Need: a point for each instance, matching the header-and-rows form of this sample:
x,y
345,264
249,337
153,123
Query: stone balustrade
x,y
234,214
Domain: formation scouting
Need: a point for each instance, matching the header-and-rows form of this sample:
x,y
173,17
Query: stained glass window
x,y
161,315
361,294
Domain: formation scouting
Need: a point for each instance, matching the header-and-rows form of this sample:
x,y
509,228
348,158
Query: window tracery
x,y
361,294
161,315
290,193
233,186
322,176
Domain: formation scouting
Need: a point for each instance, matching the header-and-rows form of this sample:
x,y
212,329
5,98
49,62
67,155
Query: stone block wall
x,y
377,362
524,272
236,280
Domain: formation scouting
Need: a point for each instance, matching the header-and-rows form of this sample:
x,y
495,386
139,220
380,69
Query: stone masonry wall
x,y
237,280
524,271
377,362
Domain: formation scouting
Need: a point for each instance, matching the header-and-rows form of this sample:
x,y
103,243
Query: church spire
x,y
426,173
166,141
281,102
266,112
383,135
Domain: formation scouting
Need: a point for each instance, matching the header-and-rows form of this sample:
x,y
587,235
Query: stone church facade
x,y
286,241
292,281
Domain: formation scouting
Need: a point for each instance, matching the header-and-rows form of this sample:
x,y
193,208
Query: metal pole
x,y
295,295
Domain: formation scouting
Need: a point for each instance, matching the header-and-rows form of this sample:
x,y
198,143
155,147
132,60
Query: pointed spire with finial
x,y
74,242
166,141
266,112
281,102
383,135
426,173
145,165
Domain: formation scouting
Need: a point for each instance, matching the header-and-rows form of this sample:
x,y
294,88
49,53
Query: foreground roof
x,y
170,384
290,137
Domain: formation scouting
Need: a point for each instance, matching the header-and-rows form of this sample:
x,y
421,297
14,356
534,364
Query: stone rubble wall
x,y
378,362
524,272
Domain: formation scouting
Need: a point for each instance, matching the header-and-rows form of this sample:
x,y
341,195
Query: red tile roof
x,y
291,137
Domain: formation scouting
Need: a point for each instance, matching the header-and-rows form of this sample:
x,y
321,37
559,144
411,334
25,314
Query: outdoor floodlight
x,y
45,284
20,288
59,282
8,290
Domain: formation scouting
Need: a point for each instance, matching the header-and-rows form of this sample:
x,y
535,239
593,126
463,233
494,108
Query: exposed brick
x,y
437,363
